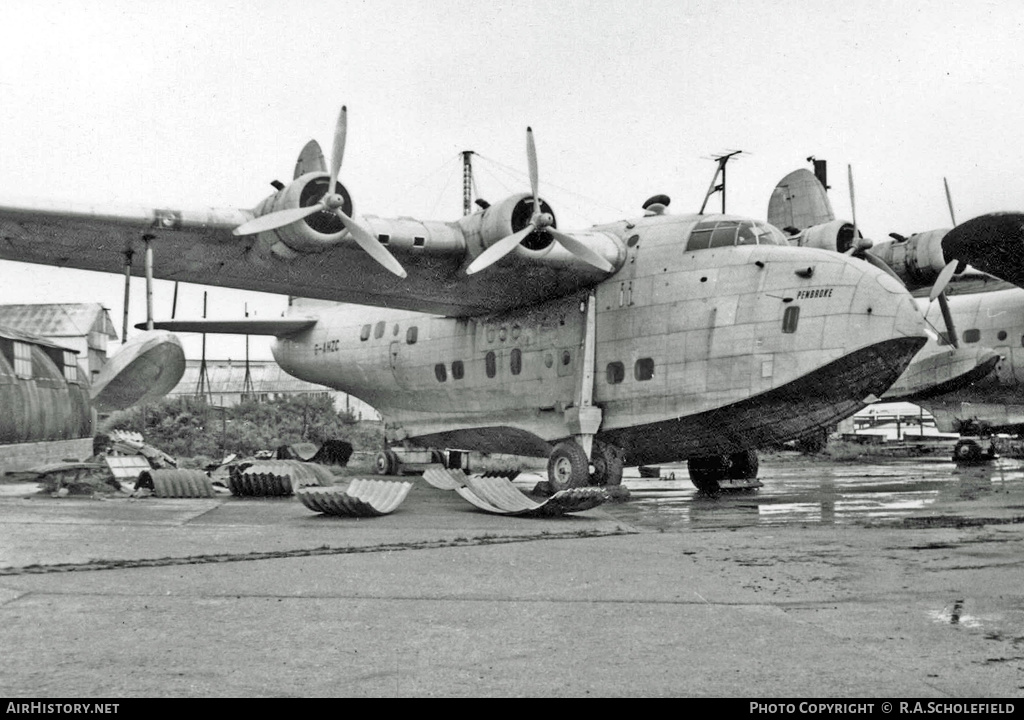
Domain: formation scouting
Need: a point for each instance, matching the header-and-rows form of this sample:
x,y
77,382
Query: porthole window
x,y
458,370
440,372
972,336
491,364
566,358
516,361
378,331
790,319
615,373
643,369
411,334
365,334
1001,335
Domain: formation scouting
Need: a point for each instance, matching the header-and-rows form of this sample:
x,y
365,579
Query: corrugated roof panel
x,y
58,319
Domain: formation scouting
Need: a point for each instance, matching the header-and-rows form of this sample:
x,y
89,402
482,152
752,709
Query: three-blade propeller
x,y
540,222
331,202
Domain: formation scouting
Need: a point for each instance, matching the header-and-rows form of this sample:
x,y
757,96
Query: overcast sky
x,y
204,103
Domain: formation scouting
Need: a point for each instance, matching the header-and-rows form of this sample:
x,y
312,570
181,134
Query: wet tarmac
x,y
883,579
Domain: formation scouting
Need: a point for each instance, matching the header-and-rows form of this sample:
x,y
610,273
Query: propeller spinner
x,y
540,222
331,202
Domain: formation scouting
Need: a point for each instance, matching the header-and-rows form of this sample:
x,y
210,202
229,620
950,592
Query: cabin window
x,y
1001,335
566,358
549,361
491,364
22,360
378,332
615,373
394,330
458,370
643,369
365,334
699,239
516,361
944,338
411,335
383,239
440,372
972,336
723,236
70,367
790,319
746,235
418,241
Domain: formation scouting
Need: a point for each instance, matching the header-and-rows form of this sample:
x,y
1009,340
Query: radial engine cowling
x,y
836,236
317,232
512,215
918,259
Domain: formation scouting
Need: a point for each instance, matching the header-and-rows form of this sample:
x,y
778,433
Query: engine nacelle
x,y
836,236
918,259
317,232
510,216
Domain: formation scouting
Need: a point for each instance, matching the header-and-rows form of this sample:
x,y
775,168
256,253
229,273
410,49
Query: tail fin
x,y
798,202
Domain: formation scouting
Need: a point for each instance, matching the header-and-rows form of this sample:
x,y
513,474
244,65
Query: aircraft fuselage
x,y
697,351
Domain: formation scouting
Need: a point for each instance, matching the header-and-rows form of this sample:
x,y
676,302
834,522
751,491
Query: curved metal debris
x,y
276,478
177,483
445,479
362,498
499,496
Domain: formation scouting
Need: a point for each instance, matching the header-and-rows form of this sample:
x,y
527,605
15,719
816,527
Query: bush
x,y
189,427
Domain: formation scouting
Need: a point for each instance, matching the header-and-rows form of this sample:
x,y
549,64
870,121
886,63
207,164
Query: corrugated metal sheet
x,y
45,407
362,498
58,320
178,483
276,478
499,496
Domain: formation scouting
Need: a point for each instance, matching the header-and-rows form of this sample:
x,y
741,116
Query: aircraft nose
x,y
884,309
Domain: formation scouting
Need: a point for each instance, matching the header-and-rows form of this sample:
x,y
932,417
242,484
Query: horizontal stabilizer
x,y
278,328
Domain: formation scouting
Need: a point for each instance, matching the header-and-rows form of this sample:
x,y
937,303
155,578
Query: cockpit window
x,y
726,233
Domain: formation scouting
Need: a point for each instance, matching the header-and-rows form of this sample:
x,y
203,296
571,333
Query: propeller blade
x,y
580,250
338,149
883,266
853,203
531,157
947,317
371,245
943,280
949,201
274,220
498,250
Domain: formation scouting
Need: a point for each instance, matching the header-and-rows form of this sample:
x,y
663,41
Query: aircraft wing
x,y
198,245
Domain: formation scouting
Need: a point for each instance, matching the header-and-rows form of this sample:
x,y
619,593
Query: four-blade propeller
x,y
331,202
540,222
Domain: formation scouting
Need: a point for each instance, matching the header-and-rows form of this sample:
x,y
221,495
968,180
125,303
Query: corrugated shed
x,y
45,406
58,319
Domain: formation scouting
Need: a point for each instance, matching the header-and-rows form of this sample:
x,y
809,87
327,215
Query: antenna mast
x,y
467,182
715,185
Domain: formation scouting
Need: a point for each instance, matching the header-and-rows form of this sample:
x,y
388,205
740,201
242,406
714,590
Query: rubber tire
x,y
705,472
967,451
386,462
743,465
607,462
568,467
